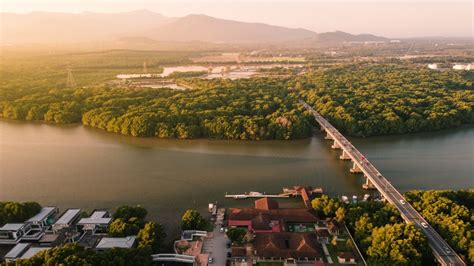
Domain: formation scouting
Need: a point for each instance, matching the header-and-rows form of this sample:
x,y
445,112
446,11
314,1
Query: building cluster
x,y
288,235
467,67
47,229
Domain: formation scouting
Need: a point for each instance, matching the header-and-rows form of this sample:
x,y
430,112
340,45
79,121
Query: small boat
x,y
253,193
366,197
345,199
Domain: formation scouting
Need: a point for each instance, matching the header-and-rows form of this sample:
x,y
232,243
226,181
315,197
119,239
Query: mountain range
x,y
64,28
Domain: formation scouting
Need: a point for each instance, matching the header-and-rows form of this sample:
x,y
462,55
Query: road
x,y
444,254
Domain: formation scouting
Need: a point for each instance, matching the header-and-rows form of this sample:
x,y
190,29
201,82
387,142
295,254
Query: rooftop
x,y
116,242
266,204
287,245
43,214
12,227
33,251
68,216
287,215
97,217
17,250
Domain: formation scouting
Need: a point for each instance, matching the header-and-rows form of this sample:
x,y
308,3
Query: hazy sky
x,y
388,18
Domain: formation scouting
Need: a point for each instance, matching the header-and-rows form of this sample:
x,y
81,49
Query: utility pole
x,y
145,71
71,82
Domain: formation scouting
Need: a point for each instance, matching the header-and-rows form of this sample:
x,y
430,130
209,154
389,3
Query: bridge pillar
x,y
335,145
355,168
328,137
344,156
368,184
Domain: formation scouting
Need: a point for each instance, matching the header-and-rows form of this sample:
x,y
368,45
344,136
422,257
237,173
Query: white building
x,y
67,219
116,242
463,67
433,66
98,222
13,232
16,252
43,219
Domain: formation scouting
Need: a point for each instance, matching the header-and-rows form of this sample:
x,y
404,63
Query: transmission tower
x,y
71,82
144,68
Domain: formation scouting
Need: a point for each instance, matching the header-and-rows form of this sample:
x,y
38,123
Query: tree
x,y
14,212
192,220
126,212
151,235
340,214
236,235
121,227
398,244
326,206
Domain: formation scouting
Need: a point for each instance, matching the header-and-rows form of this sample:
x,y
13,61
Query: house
x,y
32,251
68,218
13,232
16,252
116,242
191,234
239,253
97,223
323,235
346,258
267,217
285,245
43,219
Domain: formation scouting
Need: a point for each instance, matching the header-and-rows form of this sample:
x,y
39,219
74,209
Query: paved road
x,y
442,251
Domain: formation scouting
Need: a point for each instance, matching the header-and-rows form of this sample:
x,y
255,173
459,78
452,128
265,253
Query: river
x,y
77,166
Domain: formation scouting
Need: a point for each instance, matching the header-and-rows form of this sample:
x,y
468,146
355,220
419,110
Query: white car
x,y
211,260
447,250
425,225
402,202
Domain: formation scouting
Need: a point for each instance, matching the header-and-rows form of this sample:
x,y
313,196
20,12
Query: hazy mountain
x,y
145,27
340,36
49,27
210,29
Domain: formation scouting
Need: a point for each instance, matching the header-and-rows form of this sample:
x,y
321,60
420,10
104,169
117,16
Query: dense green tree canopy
x,y
14,212
451,213
379,231
254,109
73,254
359,99
236,235
193,220
379,99
126,212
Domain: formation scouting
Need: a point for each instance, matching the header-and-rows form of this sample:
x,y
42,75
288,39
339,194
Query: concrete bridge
x,y
443,253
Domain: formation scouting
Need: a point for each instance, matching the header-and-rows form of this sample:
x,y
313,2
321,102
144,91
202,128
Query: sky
x,y
402,18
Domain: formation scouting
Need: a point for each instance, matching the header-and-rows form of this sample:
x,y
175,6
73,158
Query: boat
x,y
241,196
345,199
253,193
366,197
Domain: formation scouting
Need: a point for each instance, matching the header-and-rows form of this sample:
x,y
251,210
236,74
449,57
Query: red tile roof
x,y
286,245
266,204
286,215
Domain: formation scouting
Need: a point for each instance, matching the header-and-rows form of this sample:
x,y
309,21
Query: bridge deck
x,y
442,251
